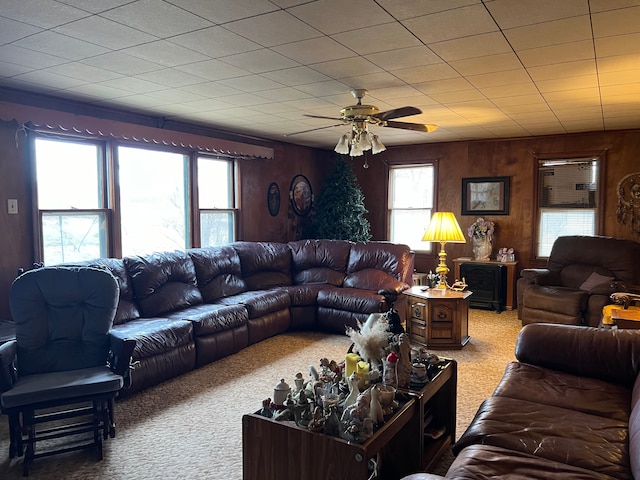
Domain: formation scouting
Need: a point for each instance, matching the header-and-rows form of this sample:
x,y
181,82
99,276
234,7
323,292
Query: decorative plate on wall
x,y
301,195
273,199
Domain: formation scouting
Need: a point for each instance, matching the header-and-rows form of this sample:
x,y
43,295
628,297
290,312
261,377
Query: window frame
x,y
433,164
539,159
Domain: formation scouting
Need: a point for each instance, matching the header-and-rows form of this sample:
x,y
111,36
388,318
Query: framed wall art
x,y
485,195
273,199
301,195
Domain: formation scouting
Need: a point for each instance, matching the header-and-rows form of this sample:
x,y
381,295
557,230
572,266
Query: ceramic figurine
x,y
316,424
332,422
265,411
299,382
375,407
404,362
352,380
280,392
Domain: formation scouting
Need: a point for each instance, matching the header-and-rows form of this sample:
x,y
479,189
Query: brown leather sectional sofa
x,y
189,308
568,409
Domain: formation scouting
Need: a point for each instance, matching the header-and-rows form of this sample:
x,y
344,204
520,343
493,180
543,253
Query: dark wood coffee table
x,y
276,450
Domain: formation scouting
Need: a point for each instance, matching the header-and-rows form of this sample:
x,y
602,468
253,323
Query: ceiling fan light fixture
x,y
376,145
365,141
343,145
356,149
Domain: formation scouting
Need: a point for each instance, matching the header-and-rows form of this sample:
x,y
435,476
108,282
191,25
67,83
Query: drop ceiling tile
x,y
567,52
443,86
570,83
251,83
451,98
512,90
282,95
275,28
551,33
48,14
493,63
528,101
260,61
160,19
28,58
425,73
572,114
326,89
49,80
621,123
618,45
405,9
563,70
211,90
316,50
174,95
296,76
165,53
97,91
53,43
524,109
95,6
82,72
510,14
450,24
104,32
379,38
372,81
214,70
215,42
11,69
245,99
597,6
629,89
346,67
133,85
11,30
223,11
121,63
499,79
629,77
616,22
578,93
583,125
335,16
404,58
470,47
171,77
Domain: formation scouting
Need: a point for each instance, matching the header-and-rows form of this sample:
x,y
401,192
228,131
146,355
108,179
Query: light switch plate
x,y
12,206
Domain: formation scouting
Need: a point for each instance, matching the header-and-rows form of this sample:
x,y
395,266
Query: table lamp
x,y
443,228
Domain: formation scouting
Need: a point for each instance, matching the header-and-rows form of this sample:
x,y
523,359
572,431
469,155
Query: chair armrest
x,y
625,298
611,355
121,354
8,371
533,273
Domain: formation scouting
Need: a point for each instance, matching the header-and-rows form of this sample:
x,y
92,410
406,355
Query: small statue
x,y
316,424
375,407
352,380
404,363
265,411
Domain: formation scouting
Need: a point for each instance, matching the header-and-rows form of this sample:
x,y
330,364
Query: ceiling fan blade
x,y
322,116
314,129
398,112
412,126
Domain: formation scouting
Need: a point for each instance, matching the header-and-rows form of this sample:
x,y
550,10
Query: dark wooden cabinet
x,y
488,282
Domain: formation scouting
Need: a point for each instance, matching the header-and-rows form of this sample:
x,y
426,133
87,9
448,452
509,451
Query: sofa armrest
x,y
611,355
8,372
395,289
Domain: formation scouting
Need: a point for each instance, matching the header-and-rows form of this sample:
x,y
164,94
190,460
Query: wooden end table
x,y
437,318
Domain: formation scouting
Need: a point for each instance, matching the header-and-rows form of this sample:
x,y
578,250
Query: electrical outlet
x,y
12,206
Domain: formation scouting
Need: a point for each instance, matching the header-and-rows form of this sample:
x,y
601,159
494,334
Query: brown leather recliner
x,y
581,274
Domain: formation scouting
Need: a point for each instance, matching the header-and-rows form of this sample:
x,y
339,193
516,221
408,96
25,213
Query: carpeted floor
x,y
190,427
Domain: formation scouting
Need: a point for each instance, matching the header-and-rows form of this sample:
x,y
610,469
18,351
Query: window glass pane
x,y
73,236
153,200
555,223
68,175
214,183
408,226
411,187
216,228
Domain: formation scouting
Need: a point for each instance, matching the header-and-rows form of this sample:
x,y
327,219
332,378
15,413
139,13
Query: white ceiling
x,y
477,69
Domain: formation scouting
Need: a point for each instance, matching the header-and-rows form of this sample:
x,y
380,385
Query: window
x,y
568,199
153,200
411,200
70,198
216,200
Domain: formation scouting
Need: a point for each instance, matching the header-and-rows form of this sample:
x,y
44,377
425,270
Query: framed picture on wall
x,y
485,195
301,195
273,199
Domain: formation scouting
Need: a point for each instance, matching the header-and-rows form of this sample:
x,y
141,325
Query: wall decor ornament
x,y
628,206
273,199
485,195
301,195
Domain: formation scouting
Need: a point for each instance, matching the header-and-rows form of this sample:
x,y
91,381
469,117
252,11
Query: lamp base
x,y
442,268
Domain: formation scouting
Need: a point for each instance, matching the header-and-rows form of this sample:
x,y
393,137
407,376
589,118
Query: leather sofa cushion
x,y
301,295
561,435
155,336
380,269
209,318
163,282
319,261
127,308
261,302
218,272
551,387
351,300
559,300
264,264
488,461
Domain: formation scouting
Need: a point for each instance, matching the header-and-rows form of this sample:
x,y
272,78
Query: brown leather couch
x,y
188,308
569,408
581,273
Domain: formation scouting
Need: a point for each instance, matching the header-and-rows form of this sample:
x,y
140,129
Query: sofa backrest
x,y
264,264
575,258
319,261
378,265
218,272
127,307
163,282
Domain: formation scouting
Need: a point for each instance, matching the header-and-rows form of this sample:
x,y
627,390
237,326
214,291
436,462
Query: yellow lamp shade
x,y
443,227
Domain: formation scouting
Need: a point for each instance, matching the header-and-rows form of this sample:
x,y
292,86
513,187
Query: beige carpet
x,y
190,427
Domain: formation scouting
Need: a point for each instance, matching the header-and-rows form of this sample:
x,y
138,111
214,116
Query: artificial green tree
x,y
339,207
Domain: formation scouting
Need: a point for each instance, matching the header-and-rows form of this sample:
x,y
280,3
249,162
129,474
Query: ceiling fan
x,y
360,117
